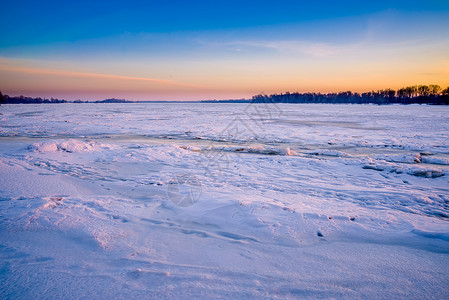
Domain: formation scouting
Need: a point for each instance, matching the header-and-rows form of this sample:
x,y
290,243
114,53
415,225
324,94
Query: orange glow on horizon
x,y
216,82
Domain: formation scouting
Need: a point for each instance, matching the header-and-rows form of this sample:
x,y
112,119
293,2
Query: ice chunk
x,y
70,146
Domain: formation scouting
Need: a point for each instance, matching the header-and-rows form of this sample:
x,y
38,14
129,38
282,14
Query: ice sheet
x,y
224,200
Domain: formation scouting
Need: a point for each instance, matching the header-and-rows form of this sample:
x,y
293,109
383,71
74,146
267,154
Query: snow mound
x,y
190,148
69,146
432,234
435,160
407,159
418,171
413,159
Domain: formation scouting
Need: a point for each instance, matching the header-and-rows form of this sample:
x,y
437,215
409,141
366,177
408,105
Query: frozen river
x,y
224,200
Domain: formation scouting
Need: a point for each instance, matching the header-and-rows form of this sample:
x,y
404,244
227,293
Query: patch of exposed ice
x,y
245,149
328,152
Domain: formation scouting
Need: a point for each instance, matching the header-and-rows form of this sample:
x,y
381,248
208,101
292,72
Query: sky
x,y
198,50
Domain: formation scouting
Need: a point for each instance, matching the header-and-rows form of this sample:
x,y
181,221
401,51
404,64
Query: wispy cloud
x,y
6,65
287,46
297,47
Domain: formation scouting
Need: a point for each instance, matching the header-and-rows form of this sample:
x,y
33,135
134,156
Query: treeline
x,y
421,94
26,100
30,100
113,100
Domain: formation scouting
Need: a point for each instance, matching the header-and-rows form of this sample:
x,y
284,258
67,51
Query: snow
x,y
217,201
70,145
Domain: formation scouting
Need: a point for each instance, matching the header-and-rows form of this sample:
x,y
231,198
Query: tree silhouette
x,y
421,94
445,91
435,89
423,90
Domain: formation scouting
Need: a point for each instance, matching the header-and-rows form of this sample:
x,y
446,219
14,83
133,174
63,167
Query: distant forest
x,y
30,100
421,94
417,94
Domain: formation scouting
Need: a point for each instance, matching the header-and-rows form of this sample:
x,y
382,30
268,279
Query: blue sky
x,y
35,22
151,50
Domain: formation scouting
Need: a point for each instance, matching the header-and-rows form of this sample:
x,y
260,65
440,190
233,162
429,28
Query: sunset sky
x,y
194,50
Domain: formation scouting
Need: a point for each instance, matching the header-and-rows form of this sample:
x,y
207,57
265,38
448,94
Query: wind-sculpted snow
x,y
70,145
224,201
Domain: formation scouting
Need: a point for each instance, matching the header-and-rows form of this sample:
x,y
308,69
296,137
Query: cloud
x,y
7,65
298,47
290,47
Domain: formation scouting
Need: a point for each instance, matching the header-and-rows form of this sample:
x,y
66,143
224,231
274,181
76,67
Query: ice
x,y
328,152
194,200
70,145
408,158
423,171
435,160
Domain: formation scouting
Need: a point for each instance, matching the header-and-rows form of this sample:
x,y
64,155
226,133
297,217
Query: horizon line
x,y
238,99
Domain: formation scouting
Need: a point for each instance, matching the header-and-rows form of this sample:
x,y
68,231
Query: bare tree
x,y
423,90
435,89
445,91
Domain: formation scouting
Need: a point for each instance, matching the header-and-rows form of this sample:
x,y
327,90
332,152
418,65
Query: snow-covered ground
x,y
224,200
